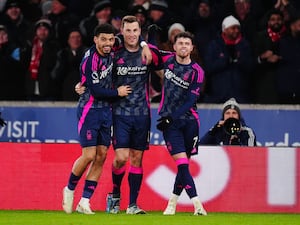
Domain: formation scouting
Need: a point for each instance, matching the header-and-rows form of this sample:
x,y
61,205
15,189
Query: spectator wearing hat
x,y
39,57
62,21
144,3
228,63
12,77
66,73
16,24
160,15
142,15
231,129
101,14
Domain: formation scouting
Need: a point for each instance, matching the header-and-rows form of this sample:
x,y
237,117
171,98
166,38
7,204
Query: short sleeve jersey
x,y
96,72
130,70
180,83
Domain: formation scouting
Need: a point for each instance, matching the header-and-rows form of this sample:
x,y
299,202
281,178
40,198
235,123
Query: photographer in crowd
x,y
231,129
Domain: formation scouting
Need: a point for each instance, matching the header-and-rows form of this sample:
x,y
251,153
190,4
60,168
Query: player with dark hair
x,y
179,120
94,117
131,114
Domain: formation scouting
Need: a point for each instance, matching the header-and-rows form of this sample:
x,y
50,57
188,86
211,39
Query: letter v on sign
x,y
210,182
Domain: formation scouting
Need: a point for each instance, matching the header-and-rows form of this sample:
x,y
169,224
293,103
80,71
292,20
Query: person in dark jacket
x,y
288,73
12,76
228,62
66,73
228,131
39,57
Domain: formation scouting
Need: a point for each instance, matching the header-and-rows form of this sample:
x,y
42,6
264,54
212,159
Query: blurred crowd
x,y
249,49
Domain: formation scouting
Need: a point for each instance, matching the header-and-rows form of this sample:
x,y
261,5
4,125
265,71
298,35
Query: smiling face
x,y
183,47
104,43
131,31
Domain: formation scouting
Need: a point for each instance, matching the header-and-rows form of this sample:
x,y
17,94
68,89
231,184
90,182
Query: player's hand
x,y
79,89
164,122
146,55
124,90
2,122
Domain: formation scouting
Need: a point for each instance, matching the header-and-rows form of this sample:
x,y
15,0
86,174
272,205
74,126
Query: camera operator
x,y
231,129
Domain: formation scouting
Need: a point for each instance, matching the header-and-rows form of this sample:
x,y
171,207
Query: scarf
x,y
36,54
275,36
231,42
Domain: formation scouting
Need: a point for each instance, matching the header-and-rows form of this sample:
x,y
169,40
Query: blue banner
x,y
273,127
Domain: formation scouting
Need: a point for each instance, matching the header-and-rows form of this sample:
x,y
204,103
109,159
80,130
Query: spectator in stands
x,y
12,76
14,21
116,19
228,63
62,21
242,11
202,22
229,131
101,14
288,73
144,3
160,16
66,72
39,57
267,54
142,15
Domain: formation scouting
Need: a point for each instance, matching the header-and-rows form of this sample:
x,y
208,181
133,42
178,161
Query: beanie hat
x,y
230,21
11,3
43,23
138,9
175,26
2,27
64,2
101,5
231,104
160,5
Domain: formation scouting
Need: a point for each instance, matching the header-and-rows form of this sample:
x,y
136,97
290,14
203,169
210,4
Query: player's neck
x,y
131,48
183,60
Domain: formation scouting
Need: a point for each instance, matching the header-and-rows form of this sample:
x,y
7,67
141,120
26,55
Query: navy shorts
x,y
94,126
131,132
182,136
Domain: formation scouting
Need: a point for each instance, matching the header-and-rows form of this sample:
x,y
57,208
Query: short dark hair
x,y
105,28
130,19
184,34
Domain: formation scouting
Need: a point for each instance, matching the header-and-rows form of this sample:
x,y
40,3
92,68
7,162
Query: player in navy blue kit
x,y
94,117
131,114
179,120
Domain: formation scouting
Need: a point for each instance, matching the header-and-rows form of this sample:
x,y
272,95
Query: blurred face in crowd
x,y
13,13
141,18
275,22
155,15
104,15
57,7
42,33
204,10
131,32
231,113
232,33
104,43
242,8
3,37
75,40
183,47
295,28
